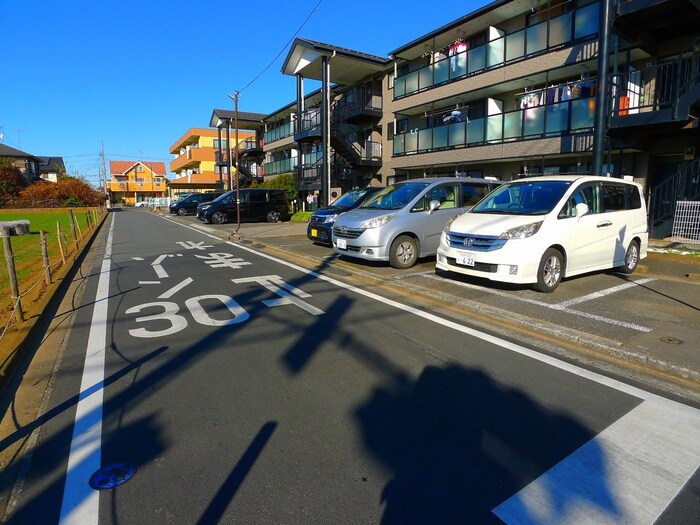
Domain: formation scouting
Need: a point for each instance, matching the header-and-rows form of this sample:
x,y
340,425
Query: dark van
x,y
257,204
189,204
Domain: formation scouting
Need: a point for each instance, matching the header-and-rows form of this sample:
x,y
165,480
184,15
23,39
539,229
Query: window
x,y
258,196
473,193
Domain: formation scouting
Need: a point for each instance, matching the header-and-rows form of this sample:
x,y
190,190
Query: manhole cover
x,y
112,476
671,340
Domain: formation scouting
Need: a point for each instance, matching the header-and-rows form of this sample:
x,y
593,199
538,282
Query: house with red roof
x,y
135,181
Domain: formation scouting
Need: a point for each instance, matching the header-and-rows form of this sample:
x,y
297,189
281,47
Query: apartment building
x,y
133,181
244,159
197,165
509,90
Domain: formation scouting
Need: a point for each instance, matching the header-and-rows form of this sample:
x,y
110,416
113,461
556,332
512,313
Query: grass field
x,y
27,249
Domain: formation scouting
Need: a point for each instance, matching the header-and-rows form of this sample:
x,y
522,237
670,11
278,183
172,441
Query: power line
x,y
285,47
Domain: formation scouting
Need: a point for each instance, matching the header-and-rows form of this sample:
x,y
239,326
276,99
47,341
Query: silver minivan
x,y
404,221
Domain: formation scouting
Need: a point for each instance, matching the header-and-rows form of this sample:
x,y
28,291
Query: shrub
x,y
68,191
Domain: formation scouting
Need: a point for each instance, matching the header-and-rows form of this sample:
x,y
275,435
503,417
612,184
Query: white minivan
x,y
538,230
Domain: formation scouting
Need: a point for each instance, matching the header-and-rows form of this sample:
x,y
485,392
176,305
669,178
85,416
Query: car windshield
x,y
349,198
395,197
224,196
524,198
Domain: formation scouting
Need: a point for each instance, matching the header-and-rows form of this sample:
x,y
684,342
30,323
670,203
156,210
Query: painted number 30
x,y
174,322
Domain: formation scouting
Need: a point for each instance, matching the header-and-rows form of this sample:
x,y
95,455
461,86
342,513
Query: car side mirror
x,y
434,205
581,209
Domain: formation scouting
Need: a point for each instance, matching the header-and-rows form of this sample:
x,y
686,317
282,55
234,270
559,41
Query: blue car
x,y
323,219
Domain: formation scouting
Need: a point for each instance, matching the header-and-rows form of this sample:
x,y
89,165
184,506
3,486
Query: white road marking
x,y
80,504
149,282
202,228
602,293
160,272
626,474
681,423
169,293
508,295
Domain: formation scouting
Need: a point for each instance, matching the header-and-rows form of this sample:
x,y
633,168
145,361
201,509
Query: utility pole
x,y
238,171
104,175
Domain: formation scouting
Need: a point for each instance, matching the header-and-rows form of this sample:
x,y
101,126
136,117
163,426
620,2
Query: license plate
x,y
465,259
342,244
314,232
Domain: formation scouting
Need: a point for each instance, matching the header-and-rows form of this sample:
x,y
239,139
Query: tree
x,y
68,191
285,181
11,180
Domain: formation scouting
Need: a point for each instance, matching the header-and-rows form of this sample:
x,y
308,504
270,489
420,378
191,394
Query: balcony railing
x,y
657,86
278,133
543,121
281,166
519,45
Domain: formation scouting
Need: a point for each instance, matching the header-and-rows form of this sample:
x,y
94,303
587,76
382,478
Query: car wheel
x,y
404,252
273,216
631,258
182,212
550,271
218,217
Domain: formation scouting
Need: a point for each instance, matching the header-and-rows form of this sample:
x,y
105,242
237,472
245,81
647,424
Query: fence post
x,y
45,256
60,242
10,260
72,229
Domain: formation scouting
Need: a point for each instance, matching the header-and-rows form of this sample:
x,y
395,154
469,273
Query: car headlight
x,y
376,222
204,207
522,232
330,218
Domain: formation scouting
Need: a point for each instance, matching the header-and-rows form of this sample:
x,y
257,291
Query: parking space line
x,y
601,293
509,295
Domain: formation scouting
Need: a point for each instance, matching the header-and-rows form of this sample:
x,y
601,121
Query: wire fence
x,y
686,222
33,258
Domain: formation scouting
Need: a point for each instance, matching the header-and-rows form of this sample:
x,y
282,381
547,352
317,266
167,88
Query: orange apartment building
x,y
195,163
133,181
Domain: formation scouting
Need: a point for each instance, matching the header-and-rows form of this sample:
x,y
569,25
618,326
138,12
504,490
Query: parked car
x,y
257,204
542,229
404,221
320,227
189,204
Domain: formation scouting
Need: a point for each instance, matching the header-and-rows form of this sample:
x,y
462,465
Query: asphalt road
x,y
213,382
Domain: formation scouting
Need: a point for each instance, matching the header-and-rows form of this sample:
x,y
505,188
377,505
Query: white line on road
x,y
80,504
556,306
602,293
626,474
197,227
169,293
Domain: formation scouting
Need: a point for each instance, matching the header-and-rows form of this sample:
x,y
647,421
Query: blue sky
x,y
137,74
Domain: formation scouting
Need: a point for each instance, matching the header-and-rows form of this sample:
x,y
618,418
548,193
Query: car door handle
x,y
604,224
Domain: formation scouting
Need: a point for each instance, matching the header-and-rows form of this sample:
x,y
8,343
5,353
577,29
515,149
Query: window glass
x,y
257,196
473,193
613,196
584,195
395,197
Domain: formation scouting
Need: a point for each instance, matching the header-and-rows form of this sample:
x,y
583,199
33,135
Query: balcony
x,y
309,125
358,105
192,157
664,96
279,133
522,44
281,166
571,116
